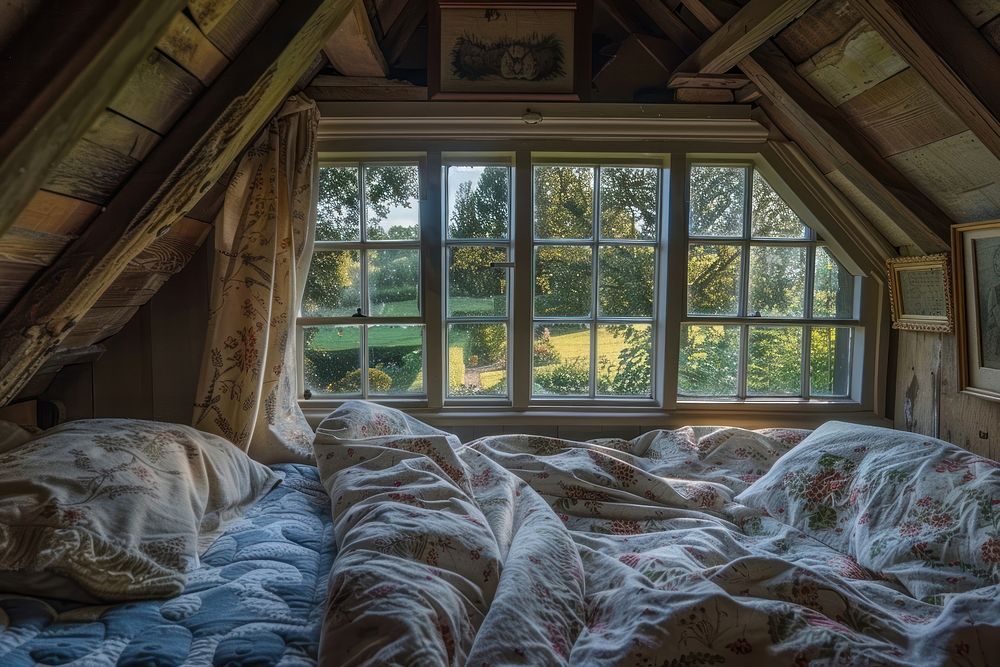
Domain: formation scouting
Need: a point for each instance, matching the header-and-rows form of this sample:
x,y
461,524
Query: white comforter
x,y
537,551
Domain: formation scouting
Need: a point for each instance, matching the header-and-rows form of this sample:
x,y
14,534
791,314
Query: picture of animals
x,y
506,49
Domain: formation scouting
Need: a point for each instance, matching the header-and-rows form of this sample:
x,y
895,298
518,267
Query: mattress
x,y
256,599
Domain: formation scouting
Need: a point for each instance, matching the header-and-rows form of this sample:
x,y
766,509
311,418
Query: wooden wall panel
x,y
826,22
241,22
851,65
978,12
157,93
188,46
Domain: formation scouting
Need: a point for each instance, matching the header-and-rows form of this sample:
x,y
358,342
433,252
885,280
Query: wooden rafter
x,y
937,40
672,26
401,31
53,93
353,49
805,115
168,183
749,28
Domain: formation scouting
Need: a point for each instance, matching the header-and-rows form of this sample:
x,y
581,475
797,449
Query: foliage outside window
x,y
770,312
361,315
596,230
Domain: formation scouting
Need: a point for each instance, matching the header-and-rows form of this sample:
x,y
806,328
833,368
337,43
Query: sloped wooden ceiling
x,y
890,104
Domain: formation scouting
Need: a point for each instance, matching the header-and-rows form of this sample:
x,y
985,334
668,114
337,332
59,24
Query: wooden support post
x,y
168,183
59,72
937,40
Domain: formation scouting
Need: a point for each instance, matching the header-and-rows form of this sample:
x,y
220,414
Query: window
x,y
770,312
477,298
595,231
362,299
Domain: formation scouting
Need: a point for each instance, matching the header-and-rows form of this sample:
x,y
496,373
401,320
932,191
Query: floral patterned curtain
x,y
263,241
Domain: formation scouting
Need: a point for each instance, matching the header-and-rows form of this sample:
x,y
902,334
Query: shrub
x,y
488,343
378,381
546,353
569,378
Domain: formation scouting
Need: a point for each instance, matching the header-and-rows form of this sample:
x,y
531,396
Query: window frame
x,y
673,156
812,242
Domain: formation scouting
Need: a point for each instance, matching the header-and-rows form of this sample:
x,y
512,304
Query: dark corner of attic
x,y
462,332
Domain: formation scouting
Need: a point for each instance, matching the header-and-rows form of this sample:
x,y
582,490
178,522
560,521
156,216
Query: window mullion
x,y
433,258
674,234
521,285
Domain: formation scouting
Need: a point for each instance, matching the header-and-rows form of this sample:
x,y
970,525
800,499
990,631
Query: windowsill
x,y
752,413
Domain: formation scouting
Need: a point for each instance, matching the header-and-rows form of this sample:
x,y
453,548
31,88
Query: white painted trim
x,y
501,120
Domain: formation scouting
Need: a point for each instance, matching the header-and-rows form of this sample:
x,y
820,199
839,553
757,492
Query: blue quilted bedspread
x,y
256,599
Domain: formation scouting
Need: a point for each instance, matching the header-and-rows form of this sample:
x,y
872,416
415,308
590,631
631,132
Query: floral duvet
x,y
536,551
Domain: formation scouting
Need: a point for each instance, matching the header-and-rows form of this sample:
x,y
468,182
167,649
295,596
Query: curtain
x,y
263,241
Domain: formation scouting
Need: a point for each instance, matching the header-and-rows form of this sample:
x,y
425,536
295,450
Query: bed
x,y
696,546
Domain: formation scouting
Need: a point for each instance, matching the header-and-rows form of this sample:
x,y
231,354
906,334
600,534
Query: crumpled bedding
x,y
256,599
531,550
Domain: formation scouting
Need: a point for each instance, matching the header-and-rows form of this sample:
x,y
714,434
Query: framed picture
x,y
920,293
976,250
509,50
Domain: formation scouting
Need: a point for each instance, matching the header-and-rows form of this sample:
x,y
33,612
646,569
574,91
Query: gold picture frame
x,y
976,251
920,293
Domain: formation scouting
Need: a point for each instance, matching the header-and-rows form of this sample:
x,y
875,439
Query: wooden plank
x,y
960,174
886,225
754,24
694,80
856,158
957,61
856,62
99,323
826,22
24,254
902,113
208,13
967,421
157,93
402,93
991,32
234,30
54,93
747,94
56,214
670,23
402,29
352,47
978,12
189,47
167,184
703,95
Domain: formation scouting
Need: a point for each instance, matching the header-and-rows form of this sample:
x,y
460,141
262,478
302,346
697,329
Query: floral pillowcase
x,y
112,509
906,505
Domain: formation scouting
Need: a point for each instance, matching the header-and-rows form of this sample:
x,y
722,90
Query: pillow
x,y
11,436
355,420
115,506
907,505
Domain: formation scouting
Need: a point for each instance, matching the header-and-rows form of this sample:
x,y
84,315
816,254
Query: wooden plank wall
x,y
849,63
185,62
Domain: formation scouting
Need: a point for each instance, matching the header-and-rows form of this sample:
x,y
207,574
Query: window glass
x,y
717,203
561,359
477,359
391,202
478,202
713,279
629,200
833,287
709,360
564,202
770,215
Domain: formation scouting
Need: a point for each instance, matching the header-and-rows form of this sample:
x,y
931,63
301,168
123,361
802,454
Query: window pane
x,y
475,289
623,361
332,359
333,286
395,359
626,288
394,282
713,279
709,360
564,202
392,207
629,202
830,361
717,198
338,207
771,216
833,287
563,281
477,359
561,359
777,281
478,202
774,361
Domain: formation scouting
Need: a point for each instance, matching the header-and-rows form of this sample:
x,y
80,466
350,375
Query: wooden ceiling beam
x,y
670,23
59,72
753,25
353,49
401,31
189,160
822,129
940,43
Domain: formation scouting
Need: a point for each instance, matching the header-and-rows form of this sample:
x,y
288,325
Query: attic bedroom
x,y
461,332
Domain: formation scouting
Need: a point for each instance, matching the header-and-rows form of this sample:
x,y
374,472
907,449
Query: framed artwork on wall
x,y
509,50
976,249
920,293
